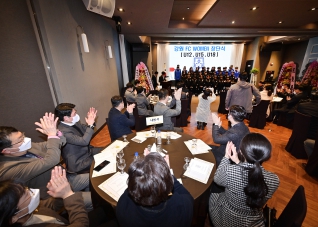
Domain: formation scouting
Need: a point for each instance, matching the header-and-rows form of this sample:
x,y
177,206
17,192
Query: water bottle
x,y
158,137
136,156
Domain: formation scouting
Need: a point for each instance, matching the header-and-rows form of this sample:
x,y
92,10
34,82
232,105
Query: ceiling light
x,y
280,22
182,18
121,10
188,7
298,38
313,8
254,8
129,23
233,22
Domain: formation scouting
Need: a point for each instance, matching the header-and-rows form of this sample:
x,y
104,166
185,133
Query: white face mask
x,y
76,119
26,145
34,203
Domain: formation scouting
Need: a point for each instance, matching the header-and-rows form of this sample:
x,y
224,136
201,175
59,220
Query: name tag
x,y
154,120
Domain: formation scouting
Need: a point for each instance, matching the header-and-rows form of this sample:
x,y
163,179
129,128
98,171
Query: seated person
x,y
154,197
161,108
143,102
235,134
130,94
267,94
185,91
22,204
118,123
203,109
77,153
247,184
30,162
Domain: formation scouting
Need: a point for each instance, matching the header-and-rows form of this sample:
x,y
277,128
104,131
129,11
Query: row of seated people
x,y
31,162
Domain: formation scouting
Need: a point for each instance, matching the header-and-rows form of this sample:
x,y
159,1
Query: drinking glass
x,y
158,148
125,138
194,143
120,154
153,130
186,165
149,147
121,164
168,137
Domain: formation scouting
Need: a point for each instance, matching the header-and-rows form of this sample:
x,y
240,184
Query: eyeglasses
x,y
20,141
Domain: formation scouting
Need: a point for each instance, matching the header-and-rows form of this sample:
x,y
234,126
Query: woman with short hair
x,y
247,184
203,109
154,197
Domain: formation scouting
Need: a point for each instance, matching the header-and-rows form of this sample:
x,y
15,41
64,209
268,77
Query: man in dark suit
x,y
235,134
77,153
154,80
163,77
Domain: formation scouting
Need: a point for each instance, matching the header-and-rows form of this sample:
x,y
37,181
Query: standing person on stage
x,y
119,123
163,77
154,80
77,153
161,108
177,74
242,93
236,73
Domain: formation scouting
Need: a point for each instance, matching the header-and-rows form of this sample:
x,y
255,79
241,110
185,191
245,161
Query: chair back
x,y
312,164
258,116
112,137
221,108
295,212
140,121
181,120
295,144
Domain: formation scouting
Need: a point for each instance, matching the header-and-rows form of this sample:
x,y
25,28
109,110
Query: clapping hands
x,y
58,186
216,119
91,115
230,152
177,94
47,125
130,108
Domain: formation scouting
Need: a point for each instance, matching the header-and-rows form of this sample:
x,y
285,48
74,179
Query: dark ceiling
x,y
202,21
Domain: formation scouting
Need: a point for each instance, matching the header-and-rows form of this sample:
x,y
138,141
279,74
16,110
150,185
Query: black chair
x,y
112,137
140,121
181,120
312,164
295,212
221,108
258,116
295,144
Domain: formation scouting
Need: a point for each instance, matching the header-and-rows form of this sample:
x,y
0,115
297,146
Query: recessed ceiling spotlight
x,y
298,38
129,23
188,7
182,18
280,22
233,22
121,10
254,8
313,9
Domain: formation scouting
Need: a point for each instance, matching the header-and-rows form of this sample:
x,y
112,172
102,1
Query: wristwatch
x,y
92,126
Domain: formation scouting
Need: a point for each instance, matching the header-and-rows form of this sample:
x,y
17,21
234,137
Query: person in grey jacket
x,y
143,102
242,93
77,153
161,108
130,93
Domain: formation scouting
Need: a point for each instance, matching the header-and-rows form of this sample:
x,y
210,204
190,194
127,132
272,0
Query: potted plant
x,y
255,71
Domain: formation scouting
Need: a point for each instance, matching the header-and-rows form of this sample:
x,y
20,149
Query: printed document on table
x,y
110,168
277,99
115,185
145,134
115,147
201,147
199,170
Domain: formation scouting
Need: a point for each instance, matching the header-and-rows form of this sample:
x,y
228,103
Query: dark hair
x,y
206,93
156,72
5,132
139,89
243,76
163,72
129,85
269,89
10,193
116,100
163,93
299,87
63,109
180,85
136,82
256,149
150,180
237,112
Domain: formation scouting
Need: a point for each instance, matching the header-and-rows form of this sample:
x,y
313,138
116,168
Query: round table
x,y
177,151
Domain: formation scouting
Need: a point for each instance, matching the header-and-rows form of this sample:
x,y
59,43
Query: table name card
x,y
154,120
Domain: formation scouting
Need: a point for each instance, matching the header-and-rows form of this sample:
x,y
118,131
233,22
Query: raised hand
x,y
91,115
130,108
47,125
216,119
177,94
59,186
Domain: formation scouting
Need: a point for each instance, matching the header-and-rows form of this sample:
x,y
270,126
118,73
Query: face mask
x,y
26,145
34,203
76,118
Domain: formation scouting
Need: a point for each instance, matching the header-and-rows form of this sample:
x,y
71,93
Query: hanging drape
x,y
236,56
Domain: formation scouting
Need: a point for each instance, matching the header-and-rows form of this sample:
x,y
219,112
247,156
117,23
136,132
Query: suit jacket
x,y
162,109
119,124
33,171
130,96
222,136
74,205
162,79
77,153
142,105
